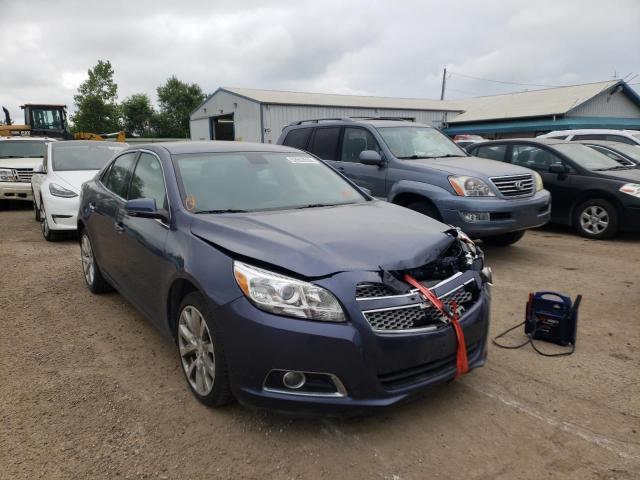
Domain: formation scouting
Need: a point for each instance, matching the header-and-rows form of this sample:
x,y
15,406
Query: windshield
x,y
83,157
252,181
22,149
587,157
419,142
629,150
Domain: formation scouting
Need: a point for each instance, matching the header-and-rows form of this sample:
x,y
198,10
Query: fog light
x,y
294,380
476,216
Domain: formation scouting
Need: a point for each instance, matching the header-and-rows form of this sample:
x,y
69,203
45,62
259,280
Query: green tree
x,y
177,100
96,107
137,114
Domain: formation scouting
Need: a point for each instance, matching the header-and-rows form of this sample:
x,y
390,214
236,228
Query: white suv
x,y
18,157
632,137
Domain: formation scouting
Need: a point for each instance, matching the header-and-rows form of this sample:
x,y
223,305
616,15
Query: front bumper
x,y
368,365
506,215
15,191
62,213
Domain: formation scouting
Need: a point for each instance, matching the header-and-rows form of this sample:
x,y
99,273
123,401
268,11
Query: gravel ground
x,y
89,389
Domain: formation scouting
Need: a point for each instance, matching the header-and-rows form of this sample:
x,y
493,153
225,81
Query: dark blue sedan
x,y
282,283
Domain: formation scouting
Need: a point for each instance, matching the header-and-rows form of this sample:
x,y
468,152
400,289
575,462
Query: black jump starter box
x,y
552,317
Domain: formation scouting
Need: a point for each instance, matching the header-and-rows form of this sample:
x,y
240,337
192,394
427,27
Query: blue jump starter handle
x,y
552,317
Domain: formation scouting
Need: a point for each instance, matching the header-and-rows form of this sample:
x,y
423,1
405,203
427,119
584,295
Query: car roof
x,y
69,143
212,146
604,143
27,137
594,131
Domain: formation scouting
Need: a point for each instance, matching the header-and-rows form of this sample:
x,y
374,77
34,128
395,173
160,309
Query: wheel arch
x,y
406,198
592,195
180,288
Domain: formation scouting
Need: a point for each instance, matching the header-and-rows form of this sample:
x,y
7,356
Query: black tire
x,y
505,239
425,208
220,392
36,211
48,234
590,210
96,283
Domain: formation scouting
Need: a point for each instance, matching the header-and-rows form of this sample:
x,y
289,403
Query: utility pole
x,y
444,83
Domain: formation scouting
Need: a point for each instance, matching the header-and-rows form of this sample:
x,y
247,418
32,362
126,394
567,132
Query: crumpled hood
x,y
317,242
74,178
472,166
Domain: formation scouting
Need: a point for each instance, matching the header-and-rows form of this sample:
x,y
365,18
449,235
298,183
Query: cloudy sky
x,y
389,48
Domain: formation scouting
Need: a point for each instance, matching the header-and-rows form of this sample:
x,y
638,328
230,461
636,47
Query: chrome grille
x,y
514,185
417,316
372,290
24,174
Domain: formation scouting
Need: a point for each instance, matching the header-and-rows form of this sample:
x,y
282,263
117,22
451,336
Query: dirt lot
x,y
88,389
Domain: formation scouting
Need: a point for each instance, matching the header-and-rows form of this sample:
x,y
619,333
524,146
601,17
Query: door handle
x,y
118,226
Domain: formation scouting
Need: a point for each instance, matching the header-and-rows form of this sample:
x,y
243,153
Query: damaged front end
x,y
457,276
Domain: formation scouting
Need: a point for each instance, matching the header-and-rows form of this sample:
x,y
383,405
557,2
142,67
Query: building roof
x,y
336,100
534,103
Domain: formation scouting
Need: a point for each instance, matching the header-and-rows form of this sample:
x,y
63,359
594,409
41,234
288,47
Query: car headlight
x,y
59,191
8,175
632,189
538,180
287,296
470,187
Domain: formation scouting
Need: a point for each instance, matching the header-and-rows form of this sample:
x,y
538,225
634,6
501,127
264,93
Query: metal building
x,y
612,104
260,115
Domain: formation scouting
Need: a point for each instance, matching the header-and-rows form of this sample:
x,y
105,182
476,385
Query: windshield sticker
x,y
302,160
190,202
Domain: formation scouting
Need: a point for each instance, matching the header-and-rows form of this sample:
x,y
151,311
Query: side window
x,y
492,152
355,141
148,182
297,138
534,158
620,138
117,178
325,143
590,136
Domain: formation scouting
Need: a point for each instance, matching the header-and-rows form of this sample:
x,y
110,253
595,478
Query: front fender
x,y
427,190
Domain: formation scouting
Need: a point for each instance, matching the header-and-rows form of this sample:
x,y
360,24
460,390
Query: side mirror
x,y
143,208
365,190
558,168
370,157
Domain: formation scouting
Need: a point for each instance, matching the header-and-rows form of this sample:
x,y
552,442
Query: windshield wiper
x,y
619,167
417,157
225,210
316,205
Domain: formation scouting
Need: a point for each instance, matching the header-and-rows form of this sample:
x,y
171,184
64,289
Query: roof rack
x,y
318,120
397,119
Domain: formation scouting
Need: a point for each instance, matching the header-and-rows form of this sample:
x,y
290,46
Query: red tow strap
x,y
462,363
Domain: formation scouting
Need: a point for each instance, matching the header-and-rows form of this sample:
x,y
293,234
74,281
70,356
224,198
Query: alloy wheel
x,y
196,350
86,255
594,219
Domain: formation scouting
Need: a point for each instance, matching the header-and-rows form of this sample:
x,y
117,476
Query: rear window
x,y
492,152
298,138
325,143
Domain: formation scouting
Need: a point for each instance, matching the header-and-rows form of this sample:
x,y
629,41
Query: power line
x,y
504,81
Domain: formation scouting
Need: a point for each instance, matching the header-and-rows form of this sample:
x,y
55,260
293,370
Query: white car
x,y
632,137
18,157
57,180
